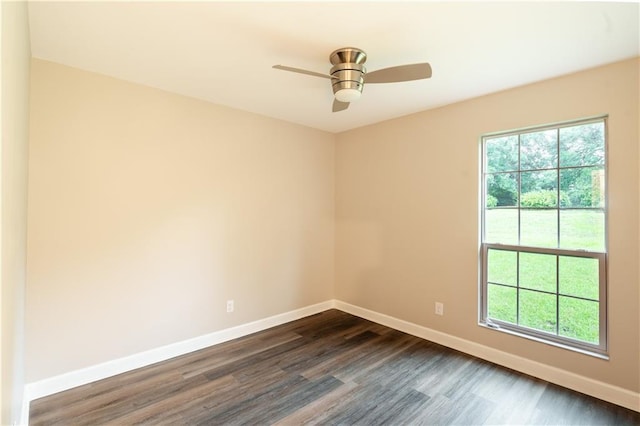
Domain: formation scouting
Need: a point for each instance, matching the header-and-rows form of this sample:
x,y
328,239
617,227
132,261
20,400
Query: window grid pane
x,y
563,187
525,283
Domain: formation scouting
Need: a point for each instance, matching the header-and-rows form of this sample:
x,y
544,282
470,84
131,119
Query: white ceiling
x,y
223,52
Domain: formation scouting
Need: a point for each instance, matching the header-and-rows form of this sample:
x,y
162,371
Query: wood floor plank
x,y
359,359
207,362
372,404
320,409
325,369
169,410
94,401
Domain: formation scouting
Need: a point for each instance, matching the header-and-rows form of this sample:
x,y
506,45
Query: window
x,y
543,250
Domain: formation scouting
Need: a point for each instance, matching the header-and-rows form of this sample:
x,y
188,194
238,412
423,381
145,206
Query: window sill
x,y
546,342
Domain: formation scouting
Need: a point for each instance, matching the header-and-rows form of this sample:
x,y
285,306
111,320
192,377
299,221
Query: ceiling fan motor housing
x,y
348,69
348,76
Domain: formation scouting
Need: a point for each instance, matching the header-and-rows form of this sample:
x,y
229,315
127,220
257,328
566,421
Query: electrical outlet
x,y
229,305
439,308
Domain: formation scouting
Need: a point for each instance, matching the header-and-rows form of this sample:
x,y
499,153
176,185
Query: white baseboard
x,y
595,388
601,390
83,376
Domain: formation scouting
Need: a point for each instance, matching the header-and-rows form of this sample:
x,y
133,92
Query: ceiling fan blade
x,y
339,106
400,73
301,71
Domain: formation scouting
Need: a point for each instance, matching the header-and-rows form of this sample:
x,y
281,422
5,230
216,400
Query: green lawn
x,y
582,229
519,285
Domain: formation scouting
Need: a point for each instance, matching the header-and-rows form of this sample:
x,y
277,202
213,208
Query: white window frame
x,y
598,350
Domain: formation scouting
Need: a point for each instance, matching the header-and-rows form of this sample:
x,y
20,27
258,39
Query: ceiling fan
x,y
348,75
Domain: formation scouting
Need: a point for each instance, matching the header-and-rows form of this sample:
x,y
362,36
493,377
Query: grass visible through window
x,y
522,290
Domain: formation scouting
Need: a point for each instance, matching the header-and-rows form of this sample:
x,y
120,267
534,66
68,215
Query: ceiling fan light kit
x,y
348,75
348,94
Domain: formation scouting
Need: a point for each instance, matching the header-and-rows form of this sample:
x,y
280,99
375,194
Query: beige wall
x,y
407,213
13,224
148,210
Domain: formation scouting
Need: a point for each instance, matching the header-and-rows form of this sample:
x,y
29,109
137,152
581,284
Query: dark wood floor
x,y
330,368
